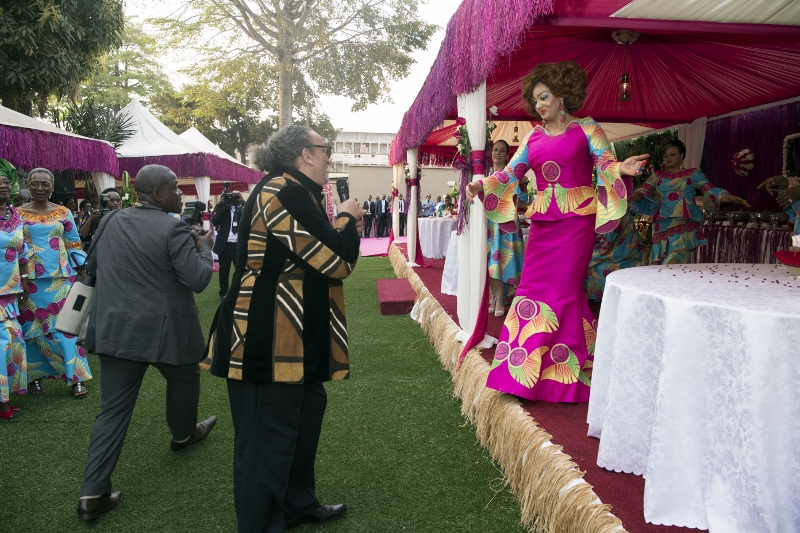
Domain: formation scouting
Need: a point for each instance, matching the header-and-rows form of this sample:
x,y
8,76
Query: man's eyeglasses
x,y
328,148
38,185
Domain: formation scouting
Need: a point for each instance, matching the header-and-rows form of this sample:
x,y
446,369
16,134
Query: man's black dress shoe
x,y
91,508
323,513
201,431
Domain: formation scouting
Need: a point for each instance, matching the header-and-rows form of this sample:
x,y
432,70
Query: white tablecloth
x,y
696,386
434,235
450,272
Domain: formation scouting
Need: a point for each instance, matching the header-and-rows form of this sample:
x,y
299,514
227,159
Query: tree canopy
x,y
50,46
128,71
352,48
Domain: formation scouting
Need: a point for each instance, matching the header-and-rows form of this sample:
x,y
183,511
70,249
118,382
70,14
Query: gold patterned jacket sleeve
x,y
293,217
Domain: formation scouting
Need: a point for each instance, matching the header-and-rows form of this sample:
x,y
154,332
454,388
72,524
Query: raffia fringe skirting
x,y
550,488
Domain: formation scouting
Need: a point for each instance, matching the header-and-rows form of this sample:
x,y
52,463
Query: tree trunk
x,y
285,74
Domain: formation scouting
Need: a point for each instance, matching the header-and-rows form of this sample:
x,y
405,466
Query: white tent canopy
x,y
193,136
151,137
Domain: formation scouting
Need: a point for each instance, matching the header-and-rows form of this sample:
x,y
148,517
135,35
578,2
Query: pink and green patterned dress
x,y
677,221
14,372
56,248
546,347
506,247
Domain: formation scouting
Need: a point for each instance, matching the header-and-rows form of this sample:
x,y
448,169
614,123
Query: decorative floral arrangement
x,y
462,144
789,142
408,172
490,127
788,258
743,161
127,194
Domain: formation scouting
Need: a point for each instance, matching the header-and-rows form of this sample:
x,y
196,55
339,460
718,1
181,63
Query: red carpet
x,y
567,423
395,296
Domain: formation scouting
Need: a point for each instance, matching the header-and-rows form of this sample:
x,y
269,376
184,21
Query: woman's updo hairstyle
x,y
565,79
677,144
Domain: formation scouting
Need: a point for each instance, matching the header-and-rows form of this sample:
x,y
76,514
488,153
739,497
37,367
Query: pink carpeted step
x,y
395,296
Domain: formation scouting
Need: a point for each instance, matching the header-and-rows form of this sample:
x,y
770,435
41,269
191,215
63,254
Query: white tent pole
x,y
464,288
395,209
411,219
203,187
475,113
102,181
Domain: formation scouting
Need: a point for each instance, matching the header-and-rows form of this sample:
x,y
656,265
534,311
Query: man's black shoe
x,y
91,508
323,513
201,431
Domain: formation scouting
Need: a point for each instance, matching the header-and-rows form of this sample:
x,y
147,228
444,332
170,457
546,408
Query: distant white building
x,y
359,148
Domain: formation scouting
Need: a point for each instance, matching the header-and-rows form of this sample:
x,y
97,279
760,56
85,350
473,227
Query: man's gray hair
x,y
152,177
42,171
283,148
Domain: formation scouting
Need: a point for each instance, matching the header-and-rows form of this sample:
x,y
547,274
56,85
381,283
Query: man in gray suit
x,y
147,264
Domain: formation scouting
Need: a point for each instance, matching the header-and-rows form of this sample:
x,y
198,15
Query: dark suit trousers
x,y
367,225
381,225
276,433
226,258
120,384
402,223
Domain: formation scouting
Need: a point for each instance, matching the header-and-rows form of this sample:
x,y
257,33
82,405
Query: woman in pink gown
x,y
547,343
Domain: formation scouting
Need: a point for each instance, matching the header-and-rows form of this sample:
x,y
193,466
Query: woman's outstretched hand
x,y
634,165
473,189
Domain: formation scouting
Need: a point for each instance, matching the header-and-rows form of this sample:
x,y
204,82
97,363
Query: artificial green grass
x,y
394,446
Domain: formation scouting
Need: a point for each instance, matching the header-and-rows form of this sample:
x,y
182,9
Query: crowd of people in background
x,y
378,212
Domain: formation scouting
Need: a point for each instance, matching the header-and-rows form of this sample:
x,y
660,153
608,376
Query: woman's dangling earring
x,y
562,113
681,164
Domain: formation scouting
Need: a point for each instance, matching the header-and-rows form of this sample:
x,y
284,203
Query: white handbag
x,y
73,319
74,316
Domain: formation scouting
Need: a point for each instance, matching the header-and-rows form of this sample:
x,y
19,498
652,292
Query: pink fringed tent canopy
x,y
680,70
29,143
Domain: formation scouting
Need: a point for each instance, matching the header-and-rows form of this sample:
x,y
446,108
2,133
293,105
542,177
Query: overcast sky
x,y
381,118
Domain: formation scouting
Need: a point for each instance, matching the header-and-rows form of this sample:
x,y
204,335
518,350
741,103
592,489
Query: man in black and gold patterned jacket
x,y
281,331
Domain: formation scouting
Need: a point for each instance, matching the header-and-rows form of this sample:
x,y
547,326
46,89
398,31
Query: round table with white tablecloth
x,y
434,235
696,387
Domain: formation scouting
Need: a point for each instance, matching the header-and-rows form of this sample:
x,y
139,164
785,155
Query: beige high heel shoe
x,y
500,306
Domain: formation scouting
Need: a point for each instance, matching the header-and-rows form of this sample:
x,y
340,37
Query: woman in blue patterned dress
x,y
506,247
13,276
620,248
668,196
56,259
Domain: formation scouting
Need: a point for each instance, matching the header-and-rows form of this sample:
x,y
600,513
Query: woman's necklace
x,y
7,213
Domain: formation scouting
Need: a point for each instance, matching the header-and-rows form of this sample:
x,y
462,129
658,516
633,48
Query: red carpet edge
x,y
549,486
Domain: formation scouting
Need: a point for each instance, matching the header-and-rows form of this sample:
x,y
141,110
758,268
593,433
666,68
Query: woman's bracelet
x,y
23,275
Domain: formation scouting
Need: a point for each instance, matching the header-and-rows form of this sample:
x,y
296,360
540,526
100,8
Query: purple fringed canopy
x,y
478,36
30,148
194,166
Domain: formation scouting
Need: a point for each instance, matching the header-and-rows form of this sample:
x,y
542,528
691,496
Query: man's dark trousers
x,y
119,390
269,419
226,257
367,226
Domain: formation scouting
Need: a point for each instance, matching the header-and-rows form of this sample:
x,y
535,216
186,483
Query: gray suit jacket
x,y
147,266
